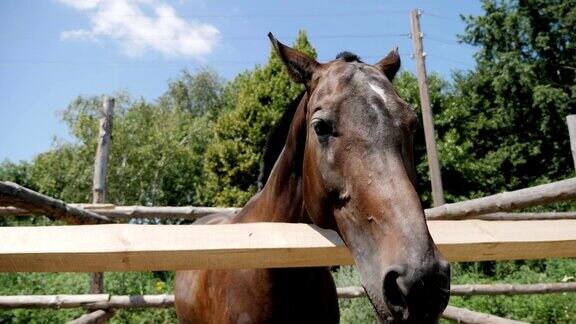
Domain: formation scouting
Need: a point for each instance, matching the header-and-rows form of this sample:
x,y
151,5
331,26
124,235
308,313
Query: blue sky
x,y
54,50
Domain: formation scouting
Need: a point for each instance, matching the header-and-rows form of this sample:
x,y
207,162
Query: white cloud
x,y
81,4
125,22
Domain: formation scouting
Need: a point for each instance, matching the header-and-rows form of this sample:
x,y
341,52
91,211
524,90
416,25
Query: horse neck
x,y
281,199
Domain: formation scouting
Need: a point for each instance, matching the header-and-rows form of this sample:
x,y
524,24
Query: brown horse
x,y
345,164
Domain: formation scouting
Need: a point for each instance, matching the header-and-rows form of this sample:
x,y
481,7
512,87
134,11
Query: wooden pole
x,y
99,301
12,194
101,160
433,165
125,213
525,216
103,306
107,301
463,315
100,168
477,290
95,317
510,289
571,121
506,201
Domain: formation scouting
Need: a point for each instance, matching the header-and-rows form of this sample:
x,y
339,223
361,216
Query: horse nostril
x,y
395,297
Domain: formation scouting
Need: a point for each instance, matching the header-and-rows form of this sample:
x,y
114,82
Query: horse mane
x,y
276,140
348,57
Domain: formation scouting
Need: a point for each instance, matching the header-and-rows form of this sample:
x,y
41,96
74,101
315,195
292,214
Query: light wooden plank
x,y
478,240
128,247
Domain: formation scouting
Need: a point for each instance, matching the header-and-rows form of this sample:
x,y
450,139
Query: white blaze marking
x,y
379,91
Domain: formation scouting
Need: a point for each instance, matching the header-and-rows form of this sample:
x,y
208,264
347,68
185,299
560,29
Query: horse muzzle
x,y
416,295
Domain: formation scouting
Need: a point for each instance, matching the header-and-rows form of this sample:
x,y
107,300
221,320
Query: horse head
x,y
358,179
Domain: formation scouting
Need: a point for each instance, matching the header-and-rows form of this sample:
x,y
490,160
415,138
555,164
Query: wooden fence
x,y
127,247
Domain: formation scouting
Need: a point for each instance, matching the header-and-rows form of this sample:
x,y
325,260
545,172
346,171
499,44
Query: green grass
x,y
553,308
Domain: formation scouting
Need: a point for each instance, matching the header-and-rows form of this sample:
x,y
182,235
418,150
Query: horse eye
x,y
322,128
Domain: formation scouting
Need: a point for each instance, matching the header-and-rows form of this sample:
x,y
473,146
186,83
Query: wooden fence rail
x,y
103,306
92,301
126,213
12,194
525,216
486,208
507,201
107,301
482,289
96,317
129,247
462,315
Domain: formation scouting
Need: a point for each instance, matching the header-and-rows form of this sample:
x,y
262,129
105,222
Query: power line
x,y
444,41
439,16
268,15
156,63
438,57
254,37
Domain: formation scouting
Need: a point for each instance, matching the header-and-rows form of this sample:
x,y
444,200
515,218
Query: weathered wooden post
x,y
571,121
100,168
433,165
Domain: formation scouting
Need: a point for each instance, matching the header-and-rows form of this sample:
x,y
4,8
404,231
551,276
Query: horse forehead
x,y
359,81
346,79
368,91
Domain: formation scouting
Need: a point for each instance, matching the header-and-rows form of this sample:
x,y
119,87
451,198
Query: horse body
x,y
345,165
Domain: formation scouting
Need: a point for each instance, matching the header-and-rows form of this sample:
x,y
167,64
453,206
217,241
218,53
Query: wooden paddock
x,y
128,247
122,247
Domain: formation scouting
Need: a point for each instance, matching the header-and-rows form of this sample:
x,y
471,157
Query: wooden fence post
x,y
571,122
100,168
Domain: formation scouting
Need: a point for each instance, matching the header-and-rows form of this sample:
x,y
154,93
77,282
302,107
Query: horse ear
x,y
300,66
390,64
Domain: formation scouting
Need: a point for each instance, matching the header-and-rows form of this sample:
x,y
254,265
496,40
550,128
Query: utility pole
x,y
100,170
433,165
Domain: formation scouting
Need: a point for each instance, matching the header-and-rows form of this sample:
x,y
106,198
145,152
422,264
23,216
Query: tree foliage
x,y
232,160
157,152
506,128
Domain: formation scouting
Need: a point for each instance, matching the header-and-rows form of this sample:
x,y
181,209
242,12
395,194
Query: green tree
x,y
441,97
198,93
157,150
232,160
18,172
507,129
